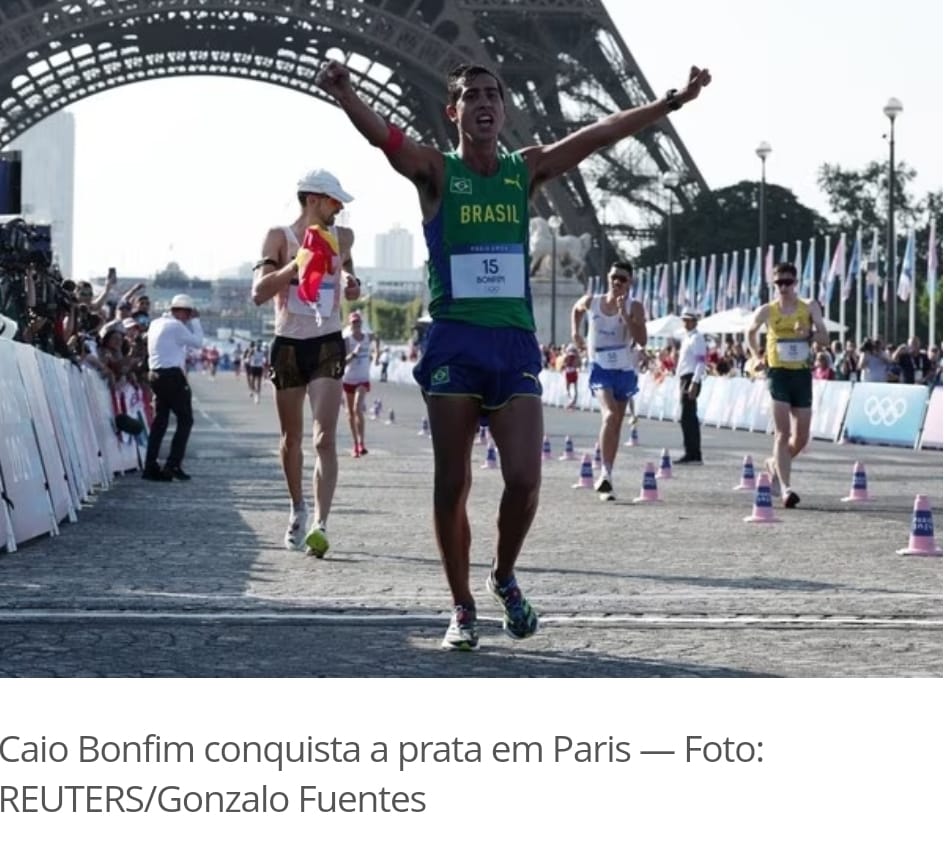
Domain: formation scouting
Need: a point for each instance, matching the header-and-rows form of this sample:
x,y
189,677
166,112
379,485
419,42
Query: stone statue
x,y
571,251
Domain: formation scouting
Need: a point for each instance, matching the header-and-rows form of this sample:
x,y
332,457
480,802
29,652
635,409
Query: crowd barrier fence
x,y
873,413
58,440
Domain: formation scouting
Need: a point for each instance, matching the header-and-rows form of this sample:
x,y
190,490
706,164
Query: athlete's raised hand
x,y
333,78
699,78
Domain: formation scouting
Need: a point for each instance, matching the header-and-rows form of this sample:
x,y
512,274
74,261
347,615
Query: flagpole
x,y
932,317
858,306
842,282
875,311
841,306
912,307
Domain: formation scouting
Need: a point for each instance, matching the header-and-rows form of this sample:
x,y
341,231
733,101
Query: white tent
x,y
666,325
734,320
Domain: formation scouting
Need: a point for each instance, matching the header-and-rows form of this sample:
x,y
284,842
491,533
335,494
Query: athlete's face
x,y
479,111
325,208
619,280
785,284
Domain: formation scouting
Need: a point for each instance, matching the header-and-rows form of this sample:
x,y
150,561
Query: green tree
x,y
391,322
860,197
728,219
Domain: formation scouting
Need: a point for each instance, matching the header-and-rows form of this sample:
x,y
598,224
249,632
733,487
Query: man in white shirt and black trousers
x,y
169,337
691,368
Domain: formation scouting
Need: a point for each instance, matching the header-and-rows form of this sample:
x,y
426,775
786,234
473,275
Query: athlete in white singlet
x,y
308,354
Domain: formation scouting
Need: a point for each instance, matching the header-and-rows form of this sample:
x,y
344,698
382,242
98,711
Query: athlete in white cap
x,y
308,353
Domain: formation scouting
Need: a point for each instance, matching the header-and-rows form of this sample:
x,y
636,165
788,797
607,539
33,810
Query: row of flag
x,y
714,286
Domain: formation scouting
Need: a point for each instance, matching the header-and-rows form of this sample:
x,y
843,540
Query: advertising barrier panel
x,y
739,412
56,479
886,413
829,404
24,482
58,399
932,437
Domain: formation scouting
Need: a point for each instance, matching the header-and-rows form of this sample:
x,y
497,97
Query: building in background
x,y
394,249
47,193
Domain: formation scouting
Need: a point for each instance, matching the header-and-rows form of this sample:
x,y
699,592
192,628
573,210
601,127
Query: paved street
x,y
191,579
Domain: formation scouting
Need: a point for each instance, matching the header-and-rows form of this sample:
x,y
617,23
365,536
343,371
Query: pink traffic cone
x,y
859,489
762,502
391,417
490,462
921,542
569,453
649,486
425,430
632,437
597,457
547,449
748,480
585,473
665,472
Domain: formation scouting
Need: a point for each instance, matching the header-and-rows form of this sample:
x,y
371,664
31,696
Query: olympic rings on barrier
x,y
884,411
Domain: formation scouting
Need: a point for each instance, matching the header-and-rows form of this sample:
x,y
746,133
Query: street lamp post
x,y
554,224
891,110
762,152
670,180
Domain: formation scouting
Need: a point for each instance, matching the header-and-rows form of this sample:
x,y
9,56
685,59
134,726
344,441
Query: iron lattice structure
x,y
562,62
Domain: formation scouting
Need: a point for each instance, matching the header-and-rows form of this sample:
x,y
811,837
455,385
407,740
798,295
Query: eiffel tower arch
x,y
562,61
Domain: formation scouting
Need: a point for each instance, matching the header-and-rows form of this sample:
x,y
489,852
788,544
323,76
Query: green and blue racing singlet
x,y
478,261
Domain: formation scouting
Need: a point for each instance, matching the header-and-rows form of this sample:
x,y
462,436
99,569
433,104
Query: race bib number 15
x,y
488,270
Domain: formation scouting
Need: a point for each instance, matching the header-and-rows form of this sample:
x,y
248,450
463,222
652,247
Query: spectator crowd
x,y
872,361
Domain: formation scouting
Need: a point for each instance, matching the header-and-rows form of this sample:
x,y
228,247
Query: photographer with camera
x,y
873,362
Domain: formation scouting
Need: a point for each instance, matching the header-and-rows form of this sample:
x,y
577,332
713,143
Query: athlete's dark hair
x,y
786,267
622,265
458,76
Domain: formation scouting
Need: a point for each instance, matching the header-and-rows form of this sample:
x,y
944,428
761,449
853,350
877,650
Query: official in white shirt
x,y
691,368
169,337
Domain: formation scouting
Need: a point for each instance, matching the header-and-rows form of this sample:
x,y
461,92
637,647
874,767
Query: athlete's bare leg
x,y
453,422
609,434
517,428
325,399
289,410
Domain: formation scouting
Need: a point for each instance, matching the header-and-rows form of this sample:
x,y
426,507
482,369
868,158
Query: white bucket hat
x,y
182,301
323,181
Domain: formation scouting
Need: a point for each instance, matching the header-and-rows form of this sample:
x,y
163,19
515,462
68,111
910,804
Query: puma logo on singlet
x,y
515,181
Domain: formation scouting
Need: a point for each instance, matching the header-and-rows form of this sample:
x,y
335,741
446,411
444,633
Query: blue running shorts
x,y
623,384
492,364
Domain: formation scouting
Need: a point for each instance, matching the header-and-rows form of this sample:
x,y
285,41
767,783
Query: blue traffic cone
x,y
547,449
586,479
569,453
748,480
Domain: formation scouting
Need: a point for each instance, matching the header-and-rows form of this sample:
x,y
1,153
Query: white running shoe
x,y
603,485
462,633
317,542
296,530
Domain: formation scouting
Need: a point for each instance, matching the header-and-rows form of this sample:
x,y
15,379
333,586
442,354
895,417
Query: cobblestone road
x,y
190,579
